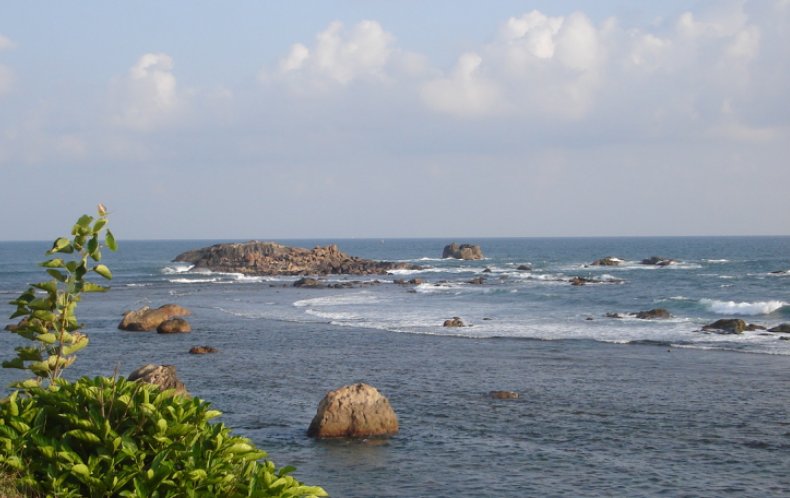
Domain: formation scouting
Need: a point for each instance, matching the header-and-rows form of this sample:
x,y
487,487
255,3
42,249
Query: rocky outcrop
x,y
783,328
454,322
607,261
202,350
146,319
503,395
463,251
174,326
354,411
658,261
163,376
524,268
269,258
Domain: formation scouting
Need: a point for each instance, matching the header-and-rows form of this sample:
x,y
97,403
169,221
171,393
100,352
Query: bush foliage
x,y
110,436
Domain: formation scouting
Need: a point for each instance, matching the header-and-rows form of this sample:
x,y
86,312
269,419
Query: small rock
x,y
783,328
524,268
416,281
487,270
163,376
463,251
503,394
726,326
454,322
614,315
202,350
658,261
354,411
308,282
608,261
477,281
174,326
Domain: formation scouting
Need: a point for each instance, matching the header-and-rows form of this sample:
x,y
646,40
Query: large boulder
x,y
269,258
463,251
174,326
163,376
354,411
146,319
658,261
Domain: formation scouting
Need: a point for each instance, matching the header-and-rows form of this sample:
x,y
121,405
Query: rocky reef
x,y
270,258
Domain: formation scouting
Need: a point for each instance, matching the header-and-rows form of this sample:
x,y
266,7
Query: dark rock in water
x,y
654,314
608,261
454,322
354,411
754,326
202,350
582,281
658,261
784,338
477,281
416,281
309,282
163,376
524,268
487,270
399,281
589,319
463,251
782,329
726,326
503,395
174,326
269,258
146,319
614,315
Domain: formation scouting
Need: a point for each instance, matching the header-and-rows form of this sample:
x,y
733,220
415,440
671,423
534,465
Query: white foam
x,y
194,280
339,300
743,308
716,260
177,268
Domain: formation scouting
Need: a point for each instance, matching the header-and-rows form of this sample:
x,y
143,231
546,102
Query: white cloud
x,y
6,74
466,92
342,56
147,96
6,43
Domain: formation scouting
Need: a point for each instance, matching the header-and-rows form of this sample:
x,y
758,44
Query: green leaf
x,y
50,287
73,348
91,287
99,225
53,263
81,469
60,245
48,338
85,220
83,435
109,241
57,275
103,271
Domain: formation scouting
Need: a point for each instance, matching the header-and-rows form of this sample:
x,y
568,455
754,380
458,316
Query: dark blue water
x,y
600,413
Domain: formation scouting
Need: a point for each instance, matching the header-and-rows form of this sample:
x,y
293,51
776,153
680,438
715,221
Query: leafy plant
x,y
47,308
114,437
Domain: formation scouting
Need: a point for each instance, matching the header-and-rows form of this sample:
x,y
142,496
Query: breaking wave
x,y
743,308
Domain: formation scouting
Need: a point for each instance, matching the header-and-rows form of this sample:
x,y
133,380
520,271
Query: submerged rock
x,y
269,258
783,328
354,411
654,314
524,268
146,319
163,376
503,395
309,282
463,251
202,350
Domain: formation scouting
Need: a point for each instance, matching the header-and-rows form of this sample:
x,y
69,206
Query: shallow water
x,y
594,418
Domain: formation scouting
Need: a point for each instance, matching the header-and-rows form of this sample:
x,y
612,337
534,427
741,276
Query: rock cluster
x,y
654,314
658,261
731,326
454,322
146,319
463,251
357,410
269,258
607,261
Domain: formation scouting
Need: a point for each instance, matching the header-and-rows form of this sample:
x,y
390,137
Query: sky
x,y
409,118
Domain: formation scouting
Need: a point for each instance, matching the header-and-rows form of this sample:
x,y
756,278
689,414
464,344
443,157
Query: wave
x,y
743,308
716,260
177,268
338,300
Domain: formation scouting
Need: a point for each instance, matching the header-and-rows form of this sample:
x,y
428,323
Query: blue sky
x,y
396,119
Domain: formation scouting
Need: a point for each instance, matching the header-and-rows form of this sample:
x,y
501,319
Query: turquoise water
x,y
609,406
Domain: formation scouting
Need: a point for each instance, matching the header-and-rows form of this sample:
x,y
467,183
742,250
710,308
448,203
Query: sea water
x,y
608,406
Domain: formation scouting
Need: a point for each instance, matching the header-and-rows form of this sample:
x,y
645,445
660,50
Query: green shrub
x,y
114,437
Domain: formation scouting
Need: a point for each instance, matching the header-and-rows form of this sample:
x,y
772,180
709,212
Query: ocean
x,y
608,406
